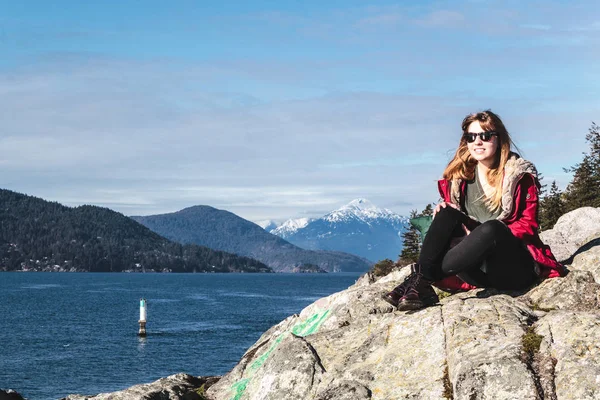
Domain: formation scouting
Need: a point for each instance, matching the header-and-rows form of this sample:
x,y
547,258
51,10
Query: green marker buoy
x,y
143,314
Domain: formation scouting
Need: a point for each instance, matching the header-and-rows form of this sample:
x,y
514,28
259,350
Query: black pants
x,y
490,256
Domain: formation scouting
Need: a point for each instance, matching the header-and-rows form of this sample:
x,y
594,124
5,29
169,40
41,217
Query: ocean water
x,y
63,333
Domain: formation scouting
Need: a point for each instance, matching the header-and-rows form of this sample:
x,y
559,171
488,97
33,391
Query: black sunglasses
x,y
484,136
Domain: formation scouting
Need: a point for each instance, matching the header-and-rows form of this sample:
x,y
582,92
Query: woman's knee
x,y
491,228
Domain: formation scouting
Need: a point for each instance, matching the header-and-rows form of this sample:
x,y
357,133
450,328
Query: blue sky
x,y
282,109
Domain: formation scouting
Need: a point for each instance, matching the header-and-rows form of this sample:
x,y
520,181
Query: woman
x,y
490,207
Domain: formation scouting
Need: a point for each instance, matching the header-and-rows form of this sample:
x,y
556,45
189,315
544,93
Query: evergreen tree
x,y
584,189
551,208
543,186
428,210
411,244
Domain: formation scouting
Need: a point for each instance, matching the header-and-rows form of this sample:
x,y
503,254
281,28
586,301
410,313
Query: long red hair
x,y
462,166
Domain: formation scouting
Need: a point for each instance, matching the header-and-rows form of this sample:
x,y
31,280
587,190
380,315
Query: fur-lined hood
x,y
514,170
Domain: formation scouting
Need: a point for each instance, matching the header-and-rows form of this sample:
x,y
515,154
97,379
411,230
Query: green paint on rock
x,y
261,360
305,328
311,325
239,388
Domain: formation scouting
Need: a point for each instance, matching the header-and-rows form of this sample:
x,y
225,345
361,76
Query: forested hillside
x,y
46,236
219,229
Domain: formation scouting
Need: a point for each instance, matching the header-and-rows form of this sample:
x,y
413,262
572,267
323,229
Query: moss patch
x,y
537,307
448,390
201,391
443,294
531,341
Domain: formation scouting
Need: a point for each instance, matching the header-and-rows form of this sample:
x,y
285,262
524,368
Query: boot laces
x,y
416,281
416,276
407,283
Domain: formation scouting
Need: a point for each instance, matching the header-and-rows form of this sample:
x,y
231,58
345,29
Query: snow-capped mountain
x,y
359,228
267,224
363,210
291,226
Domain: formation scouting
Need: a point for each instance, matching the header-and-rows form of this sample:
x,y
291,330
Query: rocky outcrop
x,y
572,231
482,344
174,387
572,341
589,261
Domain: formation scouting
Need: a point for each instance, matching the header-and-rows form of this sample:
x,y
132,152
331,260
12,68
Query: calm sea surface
x,y
64,333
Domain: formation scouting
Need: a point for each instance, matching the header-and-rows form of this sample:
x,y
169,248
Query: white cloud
x,y
85,137
79,139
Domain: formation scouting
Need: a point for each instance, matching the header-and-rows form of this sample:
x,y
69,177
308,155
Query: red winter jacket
x,y
519,212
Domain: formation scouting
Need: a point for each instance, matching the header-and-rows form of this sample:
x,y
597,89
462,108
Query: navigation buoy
x,y
142,321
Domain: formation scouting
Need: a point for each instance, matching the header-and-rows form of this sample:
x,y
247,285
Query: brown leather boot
x,y
394,296
418,294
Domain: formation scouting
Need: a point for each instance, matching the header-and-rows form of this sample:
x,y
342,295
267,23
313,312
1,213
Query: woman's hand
x,y
467,230
443,204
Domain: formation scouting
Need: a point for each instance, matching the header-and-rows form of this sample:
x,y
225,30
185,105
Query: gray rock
x,y
174,387
345,390
391,355
10,395
589,261
350,336
366,279
291,371
395,275
578,291
573,230
484,348
572,341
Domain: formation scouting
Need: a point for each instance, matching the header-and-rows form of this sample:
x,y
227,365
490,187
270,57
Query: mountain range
x,y
289,227
358,228
223,230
